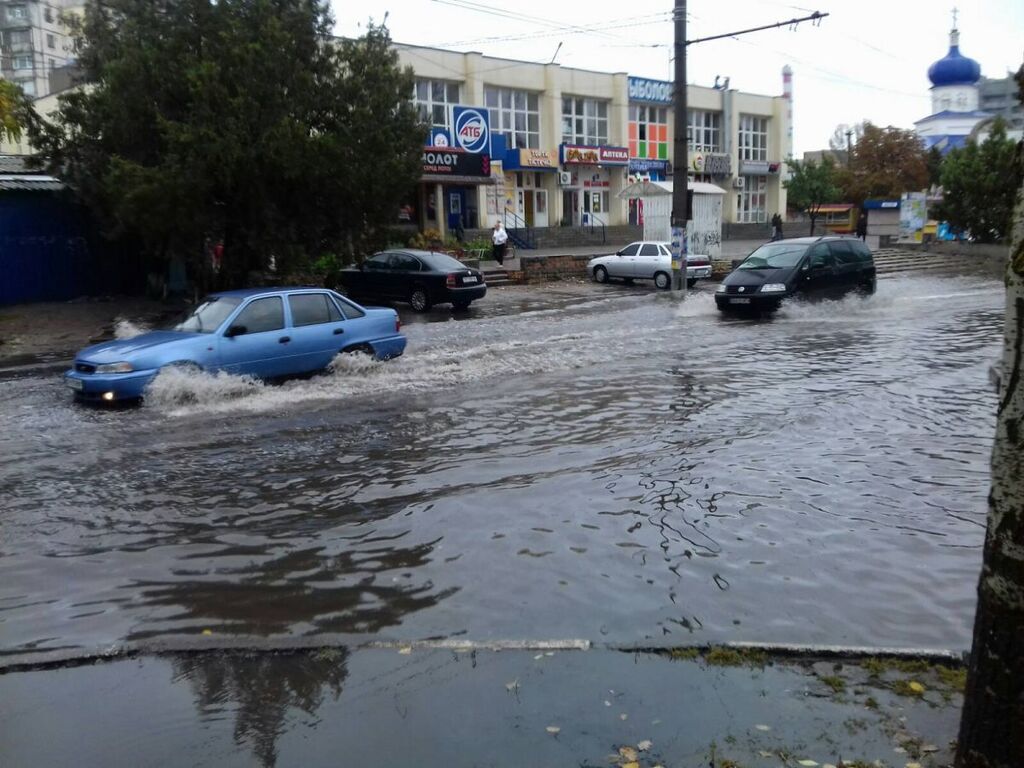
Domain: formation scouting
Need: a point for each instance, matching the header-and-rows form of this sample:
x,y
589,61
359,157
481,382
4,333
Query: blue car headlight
x,y
114,368
773,288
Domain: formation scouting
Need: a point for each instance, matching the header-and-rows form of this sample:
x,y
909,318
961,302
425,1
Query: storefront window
x,y
648,132
753,144
515,113
705,130
584,121
752,202
433,99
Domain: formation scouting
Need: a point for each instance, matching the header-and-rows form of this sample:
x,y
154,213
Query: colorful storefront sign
x,y
656,91
472,129
574,154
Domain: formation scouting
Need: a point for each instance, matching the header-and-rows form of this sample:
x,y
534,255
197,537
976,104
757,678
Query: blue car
x,y
268,333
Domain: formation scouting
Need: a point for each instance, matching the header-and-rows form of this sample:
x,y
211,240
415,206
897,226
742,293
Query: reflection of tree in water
x,y
262,687
305,588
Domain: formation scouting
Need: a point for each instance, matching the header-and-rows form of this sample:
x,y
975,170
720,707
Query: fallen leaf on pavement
x,y
645,745
913,765
405,651
808,763
915,686
763,727
627,753
513,685
623,716
553,729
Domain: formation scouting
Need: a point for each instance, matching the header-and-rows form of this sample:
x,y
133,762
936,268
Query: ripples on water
x,y
630,471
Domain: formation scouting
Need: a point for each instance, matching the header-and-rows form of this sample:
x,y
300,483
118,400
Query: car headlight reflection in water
x,y
114,368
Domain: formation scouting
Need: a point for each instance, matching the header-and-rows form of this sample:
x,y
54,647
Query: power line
x,y
557,32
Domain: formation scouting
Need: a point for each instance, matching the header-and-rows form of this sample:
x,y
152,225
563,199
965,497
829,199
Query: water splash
x,y
126,329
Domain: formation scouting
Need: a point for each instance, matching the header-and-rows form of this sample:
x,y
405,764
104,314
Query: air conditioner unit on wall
x,y
739,182
564,178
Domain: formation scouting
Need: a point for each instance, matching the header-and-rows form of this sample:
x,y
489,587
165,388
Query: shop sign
x,y
472,128
455,162
643,165
756,168
439,137
536,158
712,164
657,91
579,155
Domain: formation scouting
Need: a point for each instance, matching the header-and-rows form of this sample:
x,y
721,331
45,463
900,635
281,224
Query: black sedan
x,y
422,278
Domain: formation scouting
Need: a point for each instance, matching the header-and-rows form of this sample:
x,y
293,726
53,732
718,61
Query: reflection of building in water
x,y
261,689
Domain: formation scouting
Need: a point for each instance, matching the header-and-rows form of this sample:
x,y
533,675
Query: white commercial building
x,y
564,142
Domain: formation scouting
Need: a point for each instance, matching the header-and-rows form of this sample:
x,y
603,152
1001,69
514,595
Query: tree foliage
x,y
238,121
15,111
811,185
885,162
979,185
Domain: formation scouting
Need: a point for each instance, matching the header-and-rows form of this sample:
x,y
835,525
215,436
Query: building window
x,y
433,99
705,130
22,62
516,114
584,121
753,143
48,15
51,41
752,202
16,13
648,132
18,37
27,86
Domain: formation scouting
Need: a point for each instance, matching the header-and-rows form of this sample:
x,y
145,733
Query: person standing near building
x,y
862,225
499,237
776,227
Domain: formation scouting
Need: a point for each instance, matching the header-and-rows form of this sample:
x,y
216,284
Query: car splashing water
x,y
628,469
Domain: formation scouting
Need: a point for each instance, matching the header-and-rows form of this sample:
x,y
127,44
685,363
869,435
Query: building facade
x,y
36,39
564,142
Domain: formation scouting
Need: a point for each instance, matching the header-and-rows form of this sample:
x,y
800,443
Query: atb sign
x,y
472,129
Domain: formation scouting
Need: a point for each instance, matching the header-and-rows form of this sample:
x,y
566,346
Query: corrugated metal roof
x,y
29,183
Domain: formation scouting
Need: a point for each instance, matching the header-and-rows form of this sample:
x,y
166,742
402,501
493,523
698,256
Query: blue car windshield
x,y
208,316
775,256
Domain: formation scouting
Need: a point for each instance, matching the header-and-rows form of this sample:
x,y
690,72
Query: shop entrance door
x,y
540,209
570,208
528,206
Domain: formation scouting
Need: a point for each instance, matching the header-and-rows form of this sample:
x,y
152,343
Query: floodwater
x,y
618,467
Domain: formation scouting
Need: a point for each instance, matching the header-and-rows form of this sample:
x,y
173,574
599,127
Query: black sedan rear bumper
x,y
456,295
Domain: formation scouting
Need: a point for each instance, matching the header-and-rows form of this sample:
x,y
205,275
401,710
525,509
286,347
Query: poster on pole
x,y
678,247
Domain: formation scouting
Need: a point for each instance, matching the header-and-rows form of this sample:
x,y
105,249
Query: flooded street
x,y
610,465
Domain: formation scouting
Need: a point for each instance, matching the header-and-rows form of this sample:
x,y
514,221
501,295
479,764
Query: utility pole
x,y
680,176
849,153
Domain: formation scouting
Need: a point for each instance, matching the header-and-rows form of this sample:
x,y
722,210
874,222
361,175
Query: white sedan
x,y
647,260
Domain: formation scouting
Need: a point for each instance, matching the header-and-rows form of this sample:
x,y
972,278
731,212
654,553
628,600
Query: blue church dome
x,y
955,68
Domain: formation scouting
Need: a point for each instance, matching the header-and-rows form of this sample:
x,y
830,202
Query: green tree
x,y
811,185
979,184
885,162
934,161
15,111
240,121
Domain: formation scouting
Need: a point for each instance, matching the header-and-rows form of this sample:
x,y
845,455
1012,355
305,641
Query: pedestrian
x,y
862,225
499,237
776,227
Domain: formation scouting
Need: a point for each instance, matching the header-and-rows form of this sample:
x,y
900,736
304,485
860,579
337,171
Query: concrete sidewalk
x,y
435,706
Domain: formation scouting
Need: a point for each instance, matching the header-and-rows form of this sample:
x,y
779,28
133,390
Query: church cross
x,y
954,16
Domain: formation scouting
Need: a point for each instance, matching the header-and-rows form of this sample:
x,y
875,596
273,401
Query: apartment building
x,y
36,39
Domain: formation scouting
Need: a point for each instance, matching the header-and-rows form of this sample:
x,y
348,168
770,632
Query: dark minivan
x,y
804,267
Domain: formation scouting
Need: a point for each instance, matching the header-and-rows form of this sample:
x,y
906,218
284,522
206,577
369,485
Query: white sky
x,y
867,60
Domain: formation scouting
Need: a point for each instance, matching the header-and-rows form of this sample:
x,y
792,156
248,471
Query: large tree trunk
x,y
992,723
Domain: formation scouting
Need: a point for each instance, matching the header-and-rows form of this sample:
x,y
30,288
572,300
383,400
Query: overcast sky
x,y
866,60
